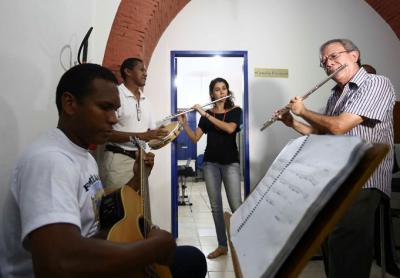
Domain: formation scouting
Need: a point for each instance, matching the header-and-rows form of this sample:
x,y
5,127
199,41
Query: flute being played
x,y
285,109
191,109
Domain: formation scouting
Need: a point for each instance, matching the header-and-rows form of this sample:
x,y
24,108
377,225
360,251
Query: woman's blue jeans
x,y
214,174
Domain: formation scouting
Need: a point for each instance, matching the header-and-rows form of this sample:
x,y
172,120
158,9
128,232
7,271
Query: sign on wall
x,y
271,73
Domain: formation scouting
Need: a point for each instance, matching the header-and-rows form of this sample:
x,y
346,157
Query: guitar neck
x,y
144,187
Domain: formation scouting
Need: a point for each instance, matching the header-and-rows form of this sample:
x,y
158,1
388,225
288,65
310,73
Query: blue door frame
x,y
174,70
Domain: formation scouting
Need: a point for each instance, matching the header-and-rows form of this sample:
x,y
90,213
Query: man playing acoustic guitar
x,y
51,213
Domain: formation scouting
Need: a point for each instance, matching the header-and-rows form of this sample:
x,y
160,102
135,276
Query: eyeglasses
x,y
333,57
138,112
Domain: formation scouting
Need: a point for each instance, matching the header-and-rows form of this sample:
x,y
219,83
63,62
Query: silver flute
x,y
316,87
191,109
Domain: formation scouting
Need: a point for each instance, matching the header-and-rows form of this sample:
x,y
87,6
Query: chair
x,y
184,171
199,167
385,251
385,245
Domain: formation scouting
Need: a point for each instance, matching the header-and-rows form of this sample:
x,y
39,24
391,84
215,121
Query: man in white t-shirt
x,y
51,215
134,120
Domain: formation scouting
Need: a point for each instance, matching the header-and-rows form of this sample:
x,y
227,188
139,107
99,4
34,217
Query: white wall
x,y
103,18
39,41
276,34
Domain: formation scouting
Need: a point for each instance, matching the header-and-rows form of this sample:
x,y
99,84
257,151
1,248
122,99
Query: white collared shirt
x,y
133,115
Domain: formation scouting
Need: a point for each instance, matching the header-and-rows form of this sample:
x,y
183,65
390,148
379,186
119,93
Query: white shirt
x,y
133,115
55,181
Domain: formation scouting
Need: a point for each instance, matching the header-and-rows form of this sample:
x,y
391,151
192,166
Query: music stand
x,y
326,219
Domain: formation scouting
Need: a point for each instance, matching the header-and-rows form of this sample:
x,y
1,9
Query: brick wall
x,y
389,11
137,27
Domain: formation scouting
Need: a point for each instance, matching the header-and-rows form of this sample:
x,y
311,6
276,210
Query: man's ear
x,y
128,72
355,55
69,103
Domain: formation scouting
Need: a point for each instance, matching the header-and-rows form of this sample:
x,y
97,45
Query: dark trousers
x,y
348,249
189,262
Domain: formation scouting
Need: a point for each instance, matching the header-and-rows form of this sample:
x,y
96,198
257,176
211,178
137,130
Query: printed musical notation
x,y
299,182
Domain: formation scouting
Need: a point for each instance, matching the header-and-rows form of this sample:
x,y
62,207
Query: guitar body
x,y
131,226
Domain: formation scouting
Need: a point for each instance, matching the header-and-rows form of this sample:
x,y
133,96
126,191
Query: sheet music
x,y
299,182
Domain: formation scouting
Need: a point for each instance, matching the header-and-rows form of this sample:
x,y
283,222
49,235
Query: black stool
x,y
184,171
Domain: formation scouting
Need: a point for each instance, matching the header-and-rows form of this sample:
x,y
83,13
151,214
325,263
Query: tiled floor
x,y
196,227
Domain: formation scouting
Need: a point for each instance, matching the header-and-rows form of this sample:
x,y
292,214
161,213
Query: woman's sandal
x,y
218,252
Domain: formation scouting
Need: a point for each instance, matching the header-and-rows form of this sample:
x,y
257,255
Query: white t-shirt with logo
x,y
55,181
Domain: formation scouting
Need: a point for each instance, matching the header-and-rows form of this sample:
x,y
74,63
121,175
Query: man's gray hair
x,y
346,43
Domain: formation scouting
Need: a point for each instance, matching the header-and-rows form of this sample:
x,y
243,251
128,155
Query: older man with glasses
x,y
360,104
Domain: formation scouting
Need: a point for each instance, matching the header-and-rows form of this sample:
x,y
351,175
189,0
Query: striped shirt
x,y
372,97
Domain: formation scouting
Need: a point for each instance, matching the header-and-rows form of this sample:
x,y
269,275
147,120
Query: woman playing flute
x,y
221,123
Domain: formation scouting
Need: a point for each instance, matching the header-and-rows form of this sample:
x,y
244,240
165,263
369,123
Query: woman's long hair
x,y
228,102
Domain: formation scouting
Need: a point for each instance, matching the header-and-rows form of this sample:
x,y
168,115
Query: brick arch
x,y
389,10
139,24
137,27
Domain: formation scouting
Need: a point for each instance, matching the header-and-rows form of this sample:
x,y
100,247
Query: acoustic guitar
x,y
125,214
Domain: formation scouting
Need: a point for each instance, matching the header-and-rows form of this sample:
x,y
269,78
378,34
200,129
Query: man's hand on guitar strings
x,y
149,159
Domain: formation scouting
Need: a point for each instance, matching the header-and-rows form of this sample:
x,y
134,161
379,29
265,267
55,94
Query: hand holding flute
x,y
195,107
194,135
296,106
182,117
200,109
287,108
